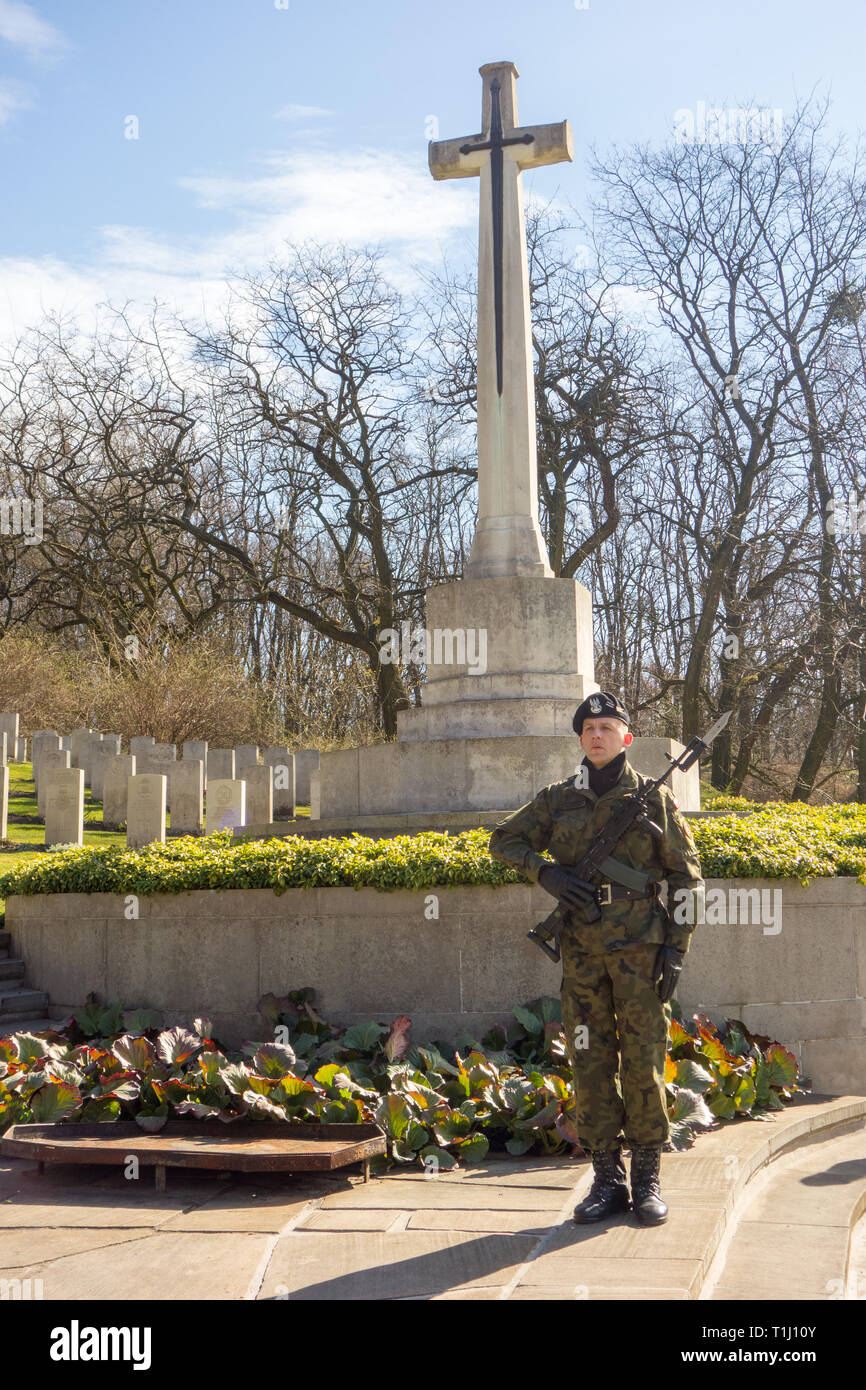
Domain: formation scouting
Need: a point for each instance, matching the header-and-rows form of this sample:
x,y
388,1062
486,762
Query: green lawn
x,y
26,831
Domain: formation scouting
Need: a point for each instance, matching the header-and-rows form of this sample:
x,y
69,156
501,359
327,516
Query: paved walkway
x,y
500,1230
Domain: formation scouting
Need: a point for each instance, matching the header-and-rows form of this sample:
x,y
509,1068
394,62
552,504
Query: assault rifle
x,y
596,864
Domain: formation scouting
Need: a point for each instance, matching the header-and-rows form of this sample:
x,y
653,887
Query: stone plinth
x,y
64,806
145,809
466,774
117,772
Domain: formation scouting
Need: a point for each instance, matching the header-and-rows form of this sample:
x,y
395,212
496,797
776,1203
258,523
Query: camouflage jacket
x,y
567,819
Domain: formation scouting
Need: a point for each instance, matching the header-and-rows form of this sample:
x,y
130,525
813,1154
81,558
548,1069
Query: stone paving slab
x,y
510,1172
684,1235
650,1293
509,1222
598,1275
375,1265
380,1219
28,1247
267,1212
122,1209
179,1266
395,1192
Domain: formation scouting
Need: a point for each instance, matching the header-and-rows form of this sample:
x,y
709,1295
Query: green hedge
x,y
774,840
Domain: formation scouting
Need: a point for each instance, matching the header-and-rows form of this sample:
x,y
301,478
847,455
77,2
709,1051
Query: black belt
x,y
614,892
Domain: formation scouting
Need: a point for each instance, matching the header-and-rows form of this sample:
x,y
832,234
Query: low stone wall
x,y
801,980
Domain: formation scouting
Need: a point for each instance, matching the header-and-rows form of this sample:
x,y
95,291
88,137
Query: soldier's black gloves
x,y
666,973
565,885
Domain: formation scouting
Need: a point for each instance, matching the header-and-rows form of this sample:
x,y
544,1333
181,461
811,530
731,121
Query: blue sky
x,y
260,120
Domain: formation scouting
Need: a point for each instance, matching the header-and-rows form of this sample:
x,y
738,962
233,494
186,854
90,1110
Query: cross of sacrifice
x,y
508,539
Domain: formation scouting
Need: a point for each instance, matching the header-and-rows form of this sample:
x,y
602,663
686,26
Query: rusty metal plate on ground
x,y
247,1148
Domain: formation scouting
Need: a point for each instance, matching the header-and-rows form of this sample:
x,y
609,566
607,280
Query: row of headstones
x,y
139,787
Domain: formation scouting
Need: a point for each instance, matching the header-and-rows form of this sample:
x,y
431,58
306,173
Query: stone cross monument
x,y
490,733
508,539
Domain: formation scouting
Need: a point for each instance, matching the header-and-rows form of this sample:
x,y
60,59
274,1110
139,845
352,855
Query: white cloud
x,y
14,97
21,25
361,198
294,112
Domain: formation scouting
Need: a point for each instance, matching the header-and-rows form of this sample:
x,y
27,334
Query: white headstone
x,y
4,802
306,761
9,727
187,796
260,795
44,741
246,755
221,764
141,744
281,760
117,771
108,747
79,740
49,762
21,750
145,810
3,758
226,804
64,806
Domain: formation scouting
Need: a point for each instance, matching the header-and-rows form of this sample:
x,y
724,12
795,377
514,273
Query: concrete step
x,y
793,1235
5,941
11,969
18,1024
19,1000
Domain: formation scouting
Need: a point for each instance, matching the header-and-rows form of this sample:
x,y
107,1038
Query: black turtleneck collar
x,y
601,779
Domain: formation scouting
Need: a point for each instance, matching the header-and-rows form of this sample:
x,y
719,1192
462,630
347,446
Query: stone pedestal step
x,y
793,1235
11,969
5,941
19,1000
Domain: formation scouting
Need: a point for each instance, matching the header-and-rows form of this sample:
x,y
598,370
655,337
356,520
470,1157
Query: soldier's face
x,y
602,740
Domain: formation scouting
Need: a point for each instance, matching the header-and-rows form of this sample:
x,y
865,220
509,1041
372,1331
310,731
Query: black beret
x,y
596,706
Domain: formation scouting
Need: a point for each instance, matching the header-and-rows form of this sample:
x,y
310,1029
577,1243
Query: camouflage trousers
x,y
616,1031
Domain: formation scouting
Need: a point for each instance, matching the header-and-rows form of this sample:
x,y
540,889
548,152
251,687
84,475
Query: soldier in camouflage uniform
x,y
619,973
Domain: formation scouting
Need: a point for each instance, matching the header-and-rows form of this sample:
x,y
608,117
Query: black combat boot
x,y
609,1191
648,1205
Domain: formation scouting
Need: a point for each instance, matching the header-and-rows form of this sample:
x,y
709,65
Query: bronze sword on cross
x,y
508,539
